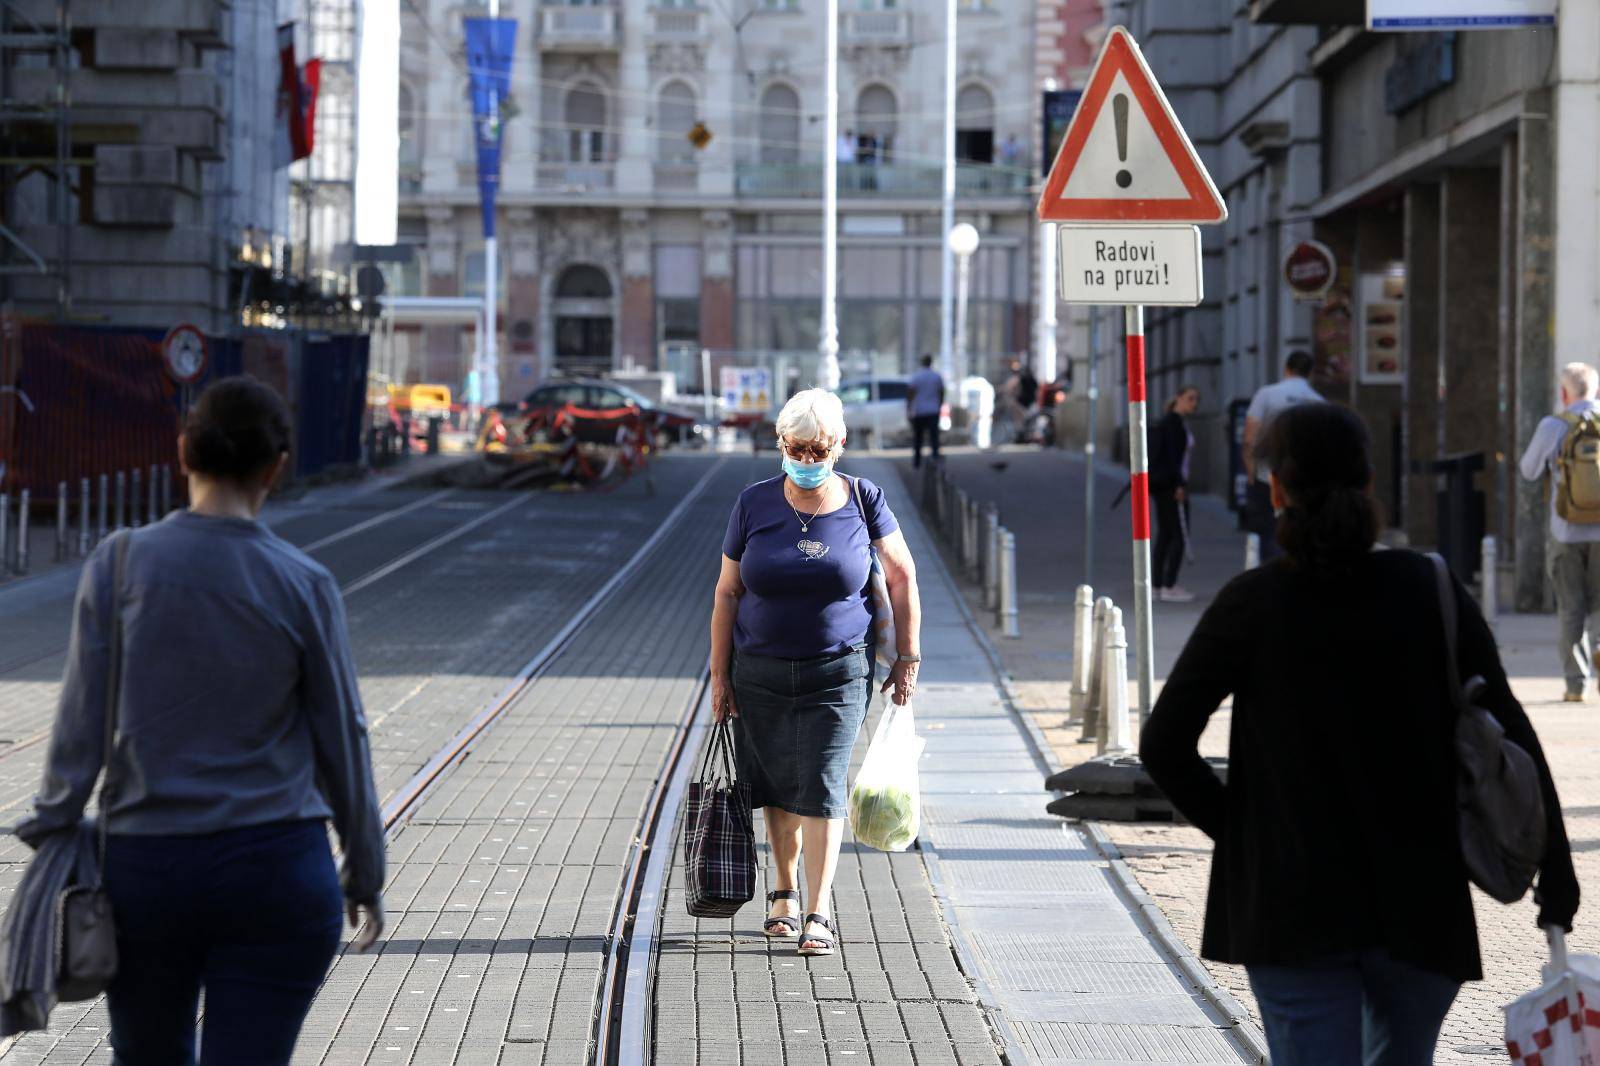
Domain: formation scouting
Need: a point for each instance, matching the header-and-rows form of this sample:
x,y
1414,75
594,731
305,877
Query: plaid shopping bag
x,y
719,839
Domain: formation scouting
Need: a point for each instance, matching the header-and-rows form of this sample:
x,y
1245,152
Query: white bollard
x,y
1082,645
975,520
1252,551
100,518
1097,664
152,513
83,517
1008,584
5,532
61,521
1117,737
134,481
22,531
1490,576
121,517
991,557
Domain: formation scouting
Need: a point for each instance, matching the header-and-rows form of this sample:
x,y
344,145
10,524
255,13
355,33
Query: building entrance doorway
x,y
585,321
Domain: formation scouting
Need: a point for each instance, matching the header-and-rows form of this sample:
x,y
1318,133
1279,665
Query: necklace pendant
x,y
804,528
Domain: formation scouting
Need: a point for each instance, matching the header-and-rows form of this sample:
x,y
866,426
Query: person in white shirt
x,y
924,402
1269,402
846,148
1573,554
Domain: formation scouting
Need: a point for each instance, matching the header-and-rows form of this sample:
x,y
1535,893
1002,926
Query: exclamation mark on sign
x,y
1119,112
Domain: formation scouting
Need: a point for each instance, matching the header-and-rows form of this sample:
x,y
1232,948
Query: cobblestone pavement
x,y
1040,497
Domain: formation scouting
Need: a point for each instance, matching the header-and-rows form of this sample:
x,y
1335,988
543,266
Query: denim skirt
x,y
798,722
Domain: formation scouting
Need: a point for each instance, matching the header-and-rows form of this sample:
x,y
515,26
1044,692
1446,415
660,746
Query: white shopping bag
x,y
1558,1023
885,800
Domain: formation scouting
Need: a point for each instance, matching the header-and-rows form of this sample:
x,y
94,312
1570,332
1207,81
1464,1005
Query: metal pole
x,y
1252,551
1045,346
122,488
1082,635
828,342
100,523
963,264
22,532
1008,584
61,521
152,514
83,517
1093,393
5,532
133,498
948,216
1117,737
705,387
1139,463
1095,697
1490,576
489,372
991,569
166,490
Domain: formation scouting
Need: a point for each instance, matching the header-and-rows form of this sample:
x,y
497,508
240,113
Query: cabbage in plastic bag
x,y
883,817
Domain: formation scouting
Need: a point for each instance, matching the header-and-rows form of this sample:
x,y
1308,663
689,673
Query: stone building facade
x,y
622,242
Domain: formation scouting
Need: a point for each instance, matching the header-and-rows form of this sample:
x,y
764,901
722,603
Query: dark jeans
x,y
1167,554
251,915
1259,519
1362,1007
924,426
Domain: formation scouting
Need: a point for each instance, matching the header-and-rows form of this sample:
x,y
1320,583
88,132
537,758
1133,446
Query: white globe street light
x,y
963,241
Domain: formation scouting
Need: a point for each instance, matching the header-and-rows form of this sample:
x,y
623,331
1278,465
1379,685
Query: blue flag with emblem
x,y
490,43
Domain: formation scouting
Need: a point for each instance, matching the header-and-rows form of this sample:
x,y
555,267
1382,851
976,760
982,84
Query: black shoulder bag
x,y
86,938
1500,808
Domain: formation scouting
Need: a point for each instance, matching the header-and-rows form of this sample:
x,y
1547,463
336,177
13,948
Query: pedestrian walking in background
x,y
1269,402
924,403
1171,446
790,659
1013,399
238,734
1573,552
1337,877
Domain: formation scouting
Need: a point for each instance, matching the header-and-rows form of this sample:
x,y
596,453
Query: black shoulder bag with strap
x,y
86,937
1500,808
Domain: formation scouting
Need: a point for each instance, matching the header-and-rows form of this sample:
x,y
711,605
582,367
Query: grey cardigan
x,y
239,704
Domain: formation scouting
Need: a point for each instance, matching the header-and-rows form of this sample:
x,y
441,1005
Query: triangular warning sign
x,y
1124,157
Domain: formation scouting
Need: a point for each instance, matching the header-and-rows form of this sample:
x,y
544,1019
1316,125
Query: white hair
x,y
812,415
1581,380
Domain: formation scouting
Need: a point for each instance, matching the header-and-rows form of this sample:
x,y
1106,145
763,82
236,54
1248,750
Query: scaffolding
x,y
36,138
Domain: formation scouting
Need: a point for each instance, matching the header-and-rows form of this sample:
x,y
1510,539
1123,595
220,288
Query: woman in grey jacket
x,y
239,734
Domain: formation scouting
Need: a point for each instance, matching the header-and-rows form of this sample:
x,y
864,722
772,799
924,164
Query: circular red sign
x,y
1309,268
186,354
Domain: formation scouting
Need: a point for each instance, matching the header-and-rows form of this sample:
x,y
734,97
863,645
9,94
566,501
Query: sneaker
x,y
1176,594
1572,697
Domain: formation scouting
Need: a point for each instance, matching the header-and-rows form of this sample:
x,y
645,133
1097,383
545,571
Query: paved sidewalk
x,y
1003,912
1040,496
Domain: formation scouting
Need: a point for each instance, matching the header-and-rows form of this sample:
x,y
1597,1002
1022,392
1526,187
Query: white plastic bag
x,y
885,801
1558,1023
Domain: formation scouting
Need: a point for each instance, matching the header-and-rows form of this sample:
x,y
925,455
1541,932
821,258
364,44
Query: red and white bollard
x,y
1139,463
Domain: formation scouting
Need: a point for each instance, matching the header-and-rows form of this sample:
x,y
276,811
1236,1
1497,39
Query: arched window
x,y
780,125
585,115
583,282
675,117
875,119
975,125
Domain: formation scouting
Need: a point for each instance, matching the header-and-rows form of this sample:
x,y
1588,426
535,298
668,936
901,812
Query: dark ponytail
x,y
236,431
1321,455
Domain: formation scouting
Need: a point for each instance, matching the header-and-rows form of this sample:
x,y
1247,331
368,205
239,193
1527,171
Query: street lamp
x,y
963,241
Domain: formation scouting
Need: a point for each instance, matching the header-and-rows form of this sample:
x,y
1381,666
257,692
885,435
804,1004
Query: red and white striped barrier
x,y
1139,463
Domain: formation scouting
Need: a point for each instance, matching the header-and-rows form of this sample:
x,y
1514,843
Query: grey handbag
x,y
86,937
1500,808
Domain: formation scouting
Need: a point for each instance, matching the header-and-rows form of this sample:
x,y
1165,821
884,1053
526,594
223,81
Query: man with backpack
x,y
1567,445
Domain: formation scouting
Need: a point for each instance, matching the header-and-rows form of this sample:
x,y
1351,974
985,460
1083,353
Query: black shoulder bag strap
x,y
113,697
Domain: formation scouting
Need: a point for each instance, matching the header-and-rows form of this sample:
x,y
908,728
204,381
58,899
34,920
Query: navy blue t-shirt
x,y
805,593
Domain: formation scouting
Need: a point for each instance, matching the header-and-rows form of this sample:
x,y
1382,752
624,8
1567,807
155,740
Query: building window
x,y
975,125
780,125
675,117
875,125
585,114
679,321
584,283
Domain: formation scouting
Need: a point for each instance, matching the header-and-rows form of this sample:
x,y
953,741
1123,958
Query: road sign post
x,y
1127,190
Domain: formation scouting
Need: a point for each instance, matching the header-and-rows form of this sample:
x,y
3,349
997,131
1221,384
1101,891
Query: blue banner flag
x,y
490,43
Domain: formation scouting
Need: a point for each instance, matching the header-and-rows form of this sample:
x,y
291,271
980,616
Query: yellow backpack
x,y
1578,492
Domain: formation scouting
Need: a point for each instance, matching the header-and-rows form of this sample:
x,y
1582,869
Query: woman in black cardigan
x,y
1171,444
1337,877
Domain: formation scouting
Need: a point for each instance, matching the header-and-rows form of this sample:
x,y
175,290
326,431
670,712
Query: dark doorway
x,y
975,146
583,345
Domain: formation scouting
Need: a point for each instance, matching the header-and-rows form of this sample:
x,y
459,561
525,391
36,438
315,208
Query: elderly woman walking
x,y
790,659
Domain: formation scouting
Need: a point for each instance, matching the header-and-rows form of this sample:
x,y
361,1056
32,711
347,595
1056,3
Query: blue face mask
x,y
807,475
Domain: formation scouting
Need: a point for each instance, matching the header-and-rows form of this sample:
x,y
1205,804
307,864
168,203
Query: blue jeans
x,y
1355,1007
251,915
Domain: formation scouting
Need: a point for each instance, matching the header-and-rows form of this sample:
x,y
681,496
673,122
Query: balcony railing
x,y
875,27
578,29
675,24
804,180
575,177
